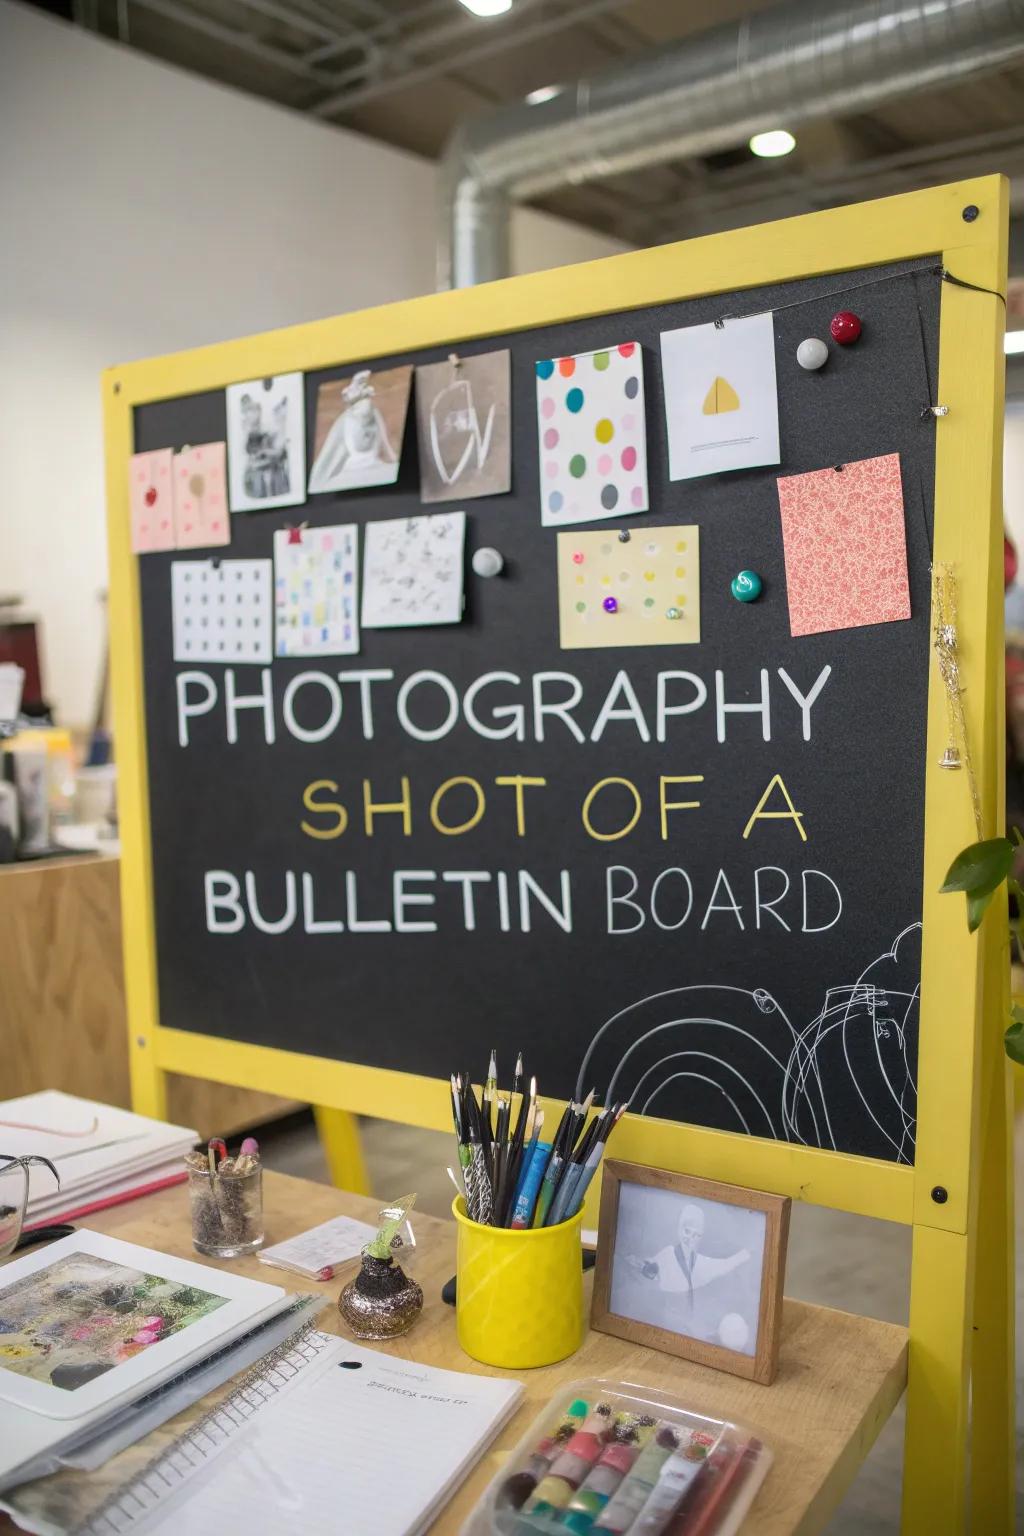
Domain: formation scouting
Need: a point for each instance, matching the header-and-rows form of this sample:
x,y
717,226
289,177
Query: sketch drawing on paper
x,y
413,570
725,1043
359,426
462,419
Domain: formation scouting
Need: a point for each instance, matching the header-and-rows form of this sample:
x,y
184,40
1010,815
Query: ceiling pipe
x,y
781,67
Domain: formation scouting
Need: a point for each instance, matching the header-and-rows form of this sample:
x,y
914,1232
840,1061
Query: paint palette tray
x,y
623,1460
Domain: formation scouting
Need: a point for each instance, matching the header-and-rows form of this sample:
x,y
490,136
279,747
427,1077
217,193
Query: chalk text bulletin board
x,y
773,965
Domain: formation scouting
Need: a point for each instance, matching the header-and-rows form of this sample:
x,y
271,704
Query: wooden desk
x,y
839,1379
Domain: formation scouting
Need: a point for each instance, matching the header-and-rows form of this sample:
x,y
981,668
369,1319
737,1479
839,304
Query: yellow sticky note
x,y
650,602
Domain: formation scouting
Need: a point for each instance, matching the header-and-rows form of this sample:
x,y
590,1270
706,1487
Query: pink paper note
x,y
200,497
846,546
150,501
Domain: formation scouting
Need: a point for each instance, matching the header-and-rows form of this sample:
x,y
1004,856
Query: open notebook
x,y
329,1437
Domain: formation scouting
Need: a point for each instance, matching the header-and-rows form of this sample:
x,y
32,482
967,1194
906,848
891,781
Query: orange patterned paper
x,y
846,546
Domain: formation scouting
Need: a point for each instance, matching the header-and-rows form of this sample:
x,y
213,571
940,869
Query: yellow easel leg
x,y
148,1081
992,1490
339,1137
935,1448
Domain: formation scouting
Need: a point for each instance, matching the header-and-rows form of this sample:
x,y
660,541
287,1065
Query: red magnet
x,y
845,327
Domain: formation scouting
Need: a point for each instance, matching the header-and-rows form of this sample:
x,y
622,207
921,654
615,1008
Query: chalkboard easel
x,y
954,1193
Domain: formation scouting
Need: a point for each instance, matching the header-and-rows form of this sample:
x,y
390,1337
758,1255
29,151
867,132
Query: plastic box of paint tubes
x,y
607,1458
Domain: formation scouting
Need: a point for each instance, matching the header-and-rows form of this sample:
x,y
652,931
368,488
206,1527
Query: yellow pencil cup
x,y
519,1294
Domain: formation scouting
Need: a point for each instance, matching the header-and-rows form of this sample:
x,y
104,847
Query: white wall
x,y
143,210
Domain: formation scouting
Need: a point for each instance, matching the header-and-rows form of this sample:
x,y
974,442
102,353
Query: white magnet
x,y
487,562
812,353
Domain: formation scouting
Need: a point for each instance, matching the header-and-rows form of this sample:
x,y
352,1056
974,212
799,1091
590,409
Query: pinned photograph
x,y
413,570
267,443
692,1267
462,422
721,398
360,423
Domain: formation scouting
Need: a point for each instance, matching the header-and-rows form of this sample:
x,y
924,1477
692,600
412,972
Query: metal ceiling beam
x,y
783,66
343,101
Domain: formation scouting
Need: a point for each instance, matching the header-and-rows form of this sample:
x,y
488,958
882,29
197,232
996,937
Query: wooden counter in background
x,y
62,1012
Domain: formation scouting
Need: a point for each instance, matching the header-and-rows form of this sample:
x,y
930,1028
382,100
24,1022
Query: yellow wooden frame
x,y
952,1322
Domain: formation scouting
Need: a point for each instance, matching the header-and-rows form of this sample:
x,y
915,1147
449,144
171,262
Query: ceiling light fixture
x,y
487,7
542,93
1013,342
768,146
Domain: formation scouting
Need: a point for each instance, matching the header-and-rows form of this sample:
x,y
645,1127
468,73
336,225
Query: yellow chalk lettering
x,y
386,808
323,808
676,805
464,826
760,814
519,781
610,837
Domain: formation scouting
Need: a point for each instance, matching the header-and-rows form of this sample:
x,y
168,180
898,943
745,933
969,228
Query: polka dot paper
x,y
593,435
642,592
201,518
151,501
221,612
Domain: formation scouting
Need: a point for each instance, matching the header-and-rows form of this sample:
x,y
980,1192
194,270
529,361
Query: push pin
x,y
845,327
812,353
577,558
610,605
623,535
150,496
934,410
295,534
673,613
746,587
487,562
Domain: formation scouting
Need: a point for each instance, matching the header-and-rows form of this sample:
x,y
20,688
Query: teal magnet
x,y
746,587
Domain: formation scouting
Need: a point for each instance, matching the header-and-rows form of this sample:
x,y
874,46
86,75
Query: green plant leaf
x,y
977,906
1014,1040
981,867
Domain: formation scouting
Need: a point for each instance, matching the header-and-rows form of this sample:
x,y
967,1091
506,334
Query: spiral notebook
x,y
324,1435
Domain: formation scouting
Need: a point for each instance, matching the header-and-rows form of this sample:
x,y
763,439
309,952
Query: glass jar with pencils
x,y
519,1279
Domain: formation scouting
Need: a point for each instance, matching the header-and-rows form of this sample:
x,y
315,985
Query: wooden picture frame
x,y
694,1197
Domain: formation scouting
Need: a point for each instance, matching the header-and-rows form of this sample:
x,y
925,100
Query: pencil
x,y
515,1154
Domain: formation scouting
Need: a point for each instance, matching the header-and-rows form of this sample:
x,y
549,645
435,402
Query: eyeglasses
x,y
14,1173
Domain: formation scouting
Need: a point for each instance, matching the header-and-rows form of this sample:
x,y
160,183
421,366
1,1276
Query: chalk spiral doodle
x,y
844,1080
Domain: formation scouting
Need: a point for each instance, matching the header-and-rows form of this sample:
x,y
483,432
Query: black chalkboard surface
x,y
764,984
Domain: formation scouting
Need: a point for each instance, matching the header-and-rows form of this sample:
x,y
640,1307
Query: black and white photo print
x,y
266,443
691,1266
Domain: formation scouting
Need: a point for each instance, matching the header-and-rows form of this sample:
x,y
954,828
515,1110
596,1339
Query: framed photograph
x,y
692,1267
266,443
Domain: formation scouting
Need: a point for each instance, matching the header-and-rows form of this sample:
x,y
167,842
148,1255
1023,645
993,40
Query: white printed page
x,y
362,1442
